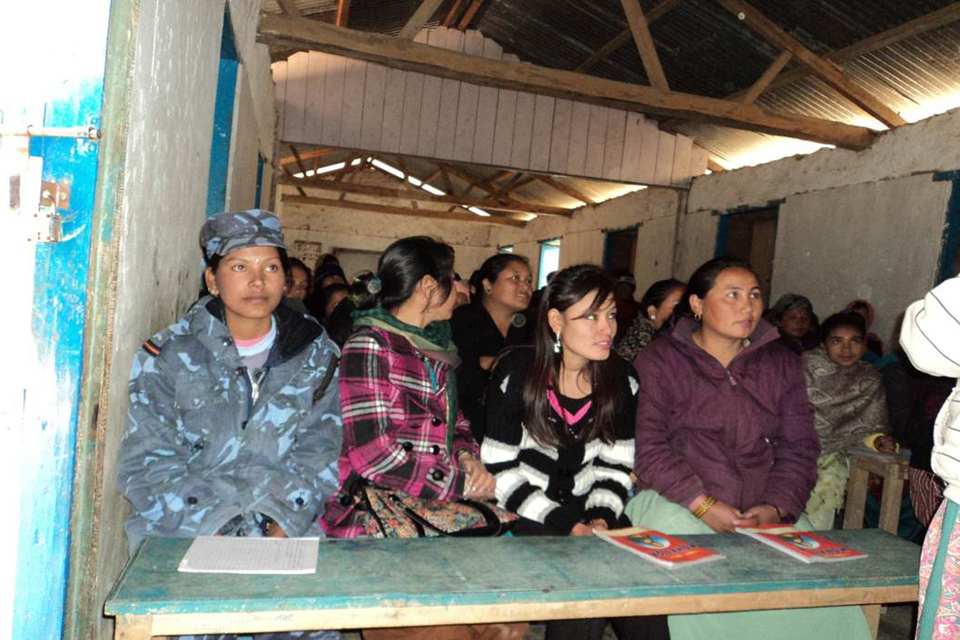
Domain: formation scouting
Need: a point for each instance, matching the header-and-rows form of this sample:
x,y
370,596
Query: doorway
x,y
620,250
751,236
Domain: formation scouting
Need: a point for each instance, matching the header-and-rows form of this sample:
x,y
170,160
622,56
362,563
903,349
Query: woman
x,y
234,421
725,439
561,414
930,338
402,429
493,321
656,307
849,407
874,350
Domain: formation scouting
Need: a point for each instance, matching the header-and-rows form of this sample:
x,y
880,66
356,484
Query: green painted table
x,y
391,583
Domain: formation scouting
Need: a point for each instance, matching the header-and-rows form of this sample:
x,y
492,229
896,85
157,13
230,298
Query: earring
x,y
557,345
697,316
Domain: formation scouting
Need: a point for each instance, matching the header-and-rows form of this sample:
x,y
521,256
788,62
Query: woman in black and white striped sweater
x,y
560,425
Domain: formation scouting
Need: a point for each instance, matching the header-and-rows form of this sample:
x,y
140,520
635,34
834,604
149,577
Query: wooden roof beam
x,y
308,155
624,36
290,8
764,80
825,70
419,18
420,195
566,189
468,15
413,56
915,27
343,13
645,47
402,211
452,13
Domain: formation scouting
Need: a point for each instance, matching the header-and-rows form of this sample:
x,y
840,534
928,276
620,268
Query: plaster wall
x,y
164,185
652,210
926,146
337,228
878,241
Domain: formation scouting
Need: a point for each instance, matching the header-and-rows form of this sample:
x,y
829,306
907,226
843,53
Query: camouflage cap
x,y
232,230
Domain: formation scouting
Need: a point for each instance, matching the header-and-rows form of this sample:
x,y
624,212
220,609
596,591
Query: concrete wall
x,y
582,236
158,267
852,224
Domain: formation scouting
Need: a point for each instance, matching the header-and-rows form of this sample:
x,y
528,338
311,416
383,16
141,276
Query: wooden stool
x,y
892,467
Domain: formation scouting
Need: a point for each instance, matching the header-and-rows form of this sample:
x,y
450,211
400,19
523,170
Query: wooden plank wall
x,y
334,101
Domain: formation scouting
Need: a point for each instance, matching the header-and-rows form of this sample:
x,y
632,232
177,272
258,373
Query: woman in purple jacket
x,y
725,439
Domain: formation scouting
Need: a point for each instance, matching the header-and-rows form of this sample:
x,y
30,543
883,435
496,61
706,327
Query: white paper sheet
x,y
221,554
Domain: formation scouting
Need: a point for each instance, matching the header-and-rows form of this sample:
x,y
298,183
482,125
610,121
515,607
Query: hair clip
x,y
374,285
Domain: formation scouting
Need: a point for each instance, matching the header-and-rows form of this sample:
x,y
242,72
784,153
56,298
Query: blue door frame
x,y
950,241
223,119
74,97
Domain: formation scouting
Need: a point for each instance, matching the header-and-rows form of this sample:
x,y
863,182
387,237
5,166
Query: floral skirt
x,y
939,617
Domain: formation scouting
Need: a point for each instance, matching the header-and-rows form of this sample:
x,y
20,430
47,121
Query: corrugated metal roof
x,y
706,50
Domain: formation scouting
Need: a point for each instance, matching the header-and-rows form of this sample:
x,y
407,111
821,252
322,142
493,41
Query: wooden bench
x,y
893,469
393,583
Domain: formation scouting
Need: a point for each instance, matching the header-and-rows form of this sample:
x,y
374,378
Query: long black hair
x,y
704,278
405,262
567,288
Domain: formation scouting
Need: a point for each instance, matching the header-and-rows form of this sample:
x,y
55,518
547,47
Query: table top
x,y
361,573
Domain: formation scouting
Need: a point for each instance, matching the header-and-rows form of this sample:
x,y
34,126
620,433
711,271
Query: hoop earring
x,y
557,345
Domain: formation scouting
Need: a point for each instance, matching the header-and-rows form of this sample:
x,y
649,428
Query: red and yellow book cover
x,y
660,548
805,546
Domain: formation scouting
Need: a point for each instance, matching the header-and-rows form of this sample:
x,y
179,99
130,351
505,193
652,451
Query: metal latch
x,y
46,225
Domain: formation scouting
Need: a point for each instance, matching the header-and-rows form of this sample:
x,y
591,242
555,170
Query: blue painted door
x,y
52,76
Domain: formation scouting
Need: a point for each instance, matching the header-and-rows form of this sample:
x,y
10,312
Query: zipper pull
x,y
730,377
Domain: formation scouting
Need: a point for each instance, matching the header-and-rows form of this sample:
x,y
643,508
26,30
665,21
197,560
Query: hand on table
x,y
721,517
758,515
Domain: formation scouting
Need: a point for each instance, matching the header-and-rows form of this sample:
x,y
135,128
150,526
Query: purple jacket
x,y
743,434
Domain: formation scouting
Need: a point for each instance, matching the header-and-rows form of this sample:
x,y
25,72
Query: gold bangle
x,y
701,511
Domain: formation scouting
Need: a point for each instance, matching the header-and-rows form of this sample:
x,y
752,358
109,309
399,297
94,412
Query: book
x,y
657,547
805,546
228,554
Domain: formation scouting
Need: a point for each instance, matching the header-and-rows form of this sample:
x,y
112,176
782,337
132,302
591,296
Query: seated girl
x,y
849,407
402,429
656,307
234,421
560,428
725,439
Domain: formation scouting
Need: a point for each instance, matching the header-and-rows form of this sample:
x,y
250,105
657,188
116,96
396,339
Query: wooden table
x,y
391,583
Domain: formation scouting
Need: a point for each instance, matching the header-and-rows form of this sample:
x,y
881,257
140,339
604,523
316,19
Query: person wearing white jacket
x,y
931,338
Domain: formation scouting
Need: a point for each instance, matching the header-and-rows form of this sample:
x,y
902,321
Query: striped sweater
x,y
558,488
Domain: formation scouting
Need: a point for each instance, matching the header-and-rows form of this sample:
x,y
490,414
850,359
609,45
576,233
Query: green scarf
x,y
434,342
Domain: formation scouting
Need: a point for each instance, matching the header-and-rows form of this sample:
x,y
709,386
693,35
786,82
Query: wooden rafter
x,y
419,18
308,155
829,73
343,13
452,13
624,36
915,27
468,15
419,195
565,188
644,41
395,53
402,211
764,80
290,8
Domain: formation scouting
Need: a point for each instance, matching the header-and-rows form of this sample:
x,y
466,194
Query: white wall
x,y
582,236
852,224
164,186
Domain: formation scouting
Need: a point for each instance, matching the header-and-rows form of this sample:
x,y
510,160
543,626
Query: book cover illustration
x,y
657,547
805,546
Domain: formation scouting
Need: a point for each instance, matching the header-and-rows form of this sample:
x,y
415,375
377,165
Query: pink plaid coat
x,y
394,425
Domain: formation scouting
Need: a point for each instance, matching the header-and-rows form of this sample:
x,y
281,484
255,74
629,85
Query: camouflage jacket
x,y
205,444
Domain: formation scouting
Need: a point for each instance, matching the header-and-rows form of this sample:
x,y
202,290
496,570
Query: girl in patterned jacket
x,y
402,429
